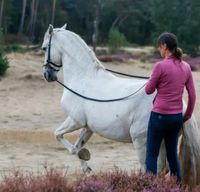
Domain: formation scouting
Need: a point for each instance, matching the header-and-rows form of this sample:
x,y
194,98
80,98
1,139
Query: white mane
x,y
81,46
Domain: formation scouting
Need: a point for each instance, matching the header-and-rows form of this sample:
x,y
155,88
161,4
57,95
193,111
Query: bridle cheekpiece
x,y
49,63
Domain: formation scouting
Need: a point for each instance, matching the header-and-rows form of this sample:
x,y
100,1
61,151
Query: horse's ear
x,y
64,26
50,29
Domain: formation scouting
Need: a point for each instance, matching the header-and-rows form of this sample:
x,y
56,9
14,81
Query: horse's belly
x,y
110,120
114,134
118,130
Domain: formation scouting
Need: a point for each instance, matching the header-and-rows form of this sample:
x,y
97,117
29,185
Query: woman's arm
x,y
154,78
191,97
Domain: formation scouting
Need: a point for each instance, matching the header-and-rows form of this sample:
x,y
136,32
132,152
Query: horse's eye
x,y
44,48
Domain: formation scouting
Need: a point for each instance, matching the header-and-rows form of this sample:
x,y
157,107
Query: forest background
x,y
140,21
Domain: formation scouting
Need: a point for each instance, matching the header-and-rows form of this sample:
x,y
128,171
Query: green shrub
x,y
116,41
12,48
1,38
4,64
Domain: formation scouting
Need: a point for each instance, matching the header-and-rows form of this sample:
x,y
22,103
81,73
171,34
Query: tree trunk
x,y
34,21
96,24
53,12
1,12
21,26
30,25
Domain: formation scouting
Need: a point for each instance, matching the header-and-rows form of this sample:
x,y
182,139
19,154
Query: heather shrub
x,y
196,189
92,184
121,181
53,180
160,184
15,39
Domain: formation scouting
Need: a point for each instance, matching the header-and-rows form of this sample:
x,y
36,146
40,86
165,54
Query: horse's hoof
x,y
88,171
84,154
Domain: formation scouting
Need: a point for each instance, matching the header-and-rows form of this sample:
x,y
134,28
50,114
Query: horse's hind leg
x,y
138,136
140,147
139,139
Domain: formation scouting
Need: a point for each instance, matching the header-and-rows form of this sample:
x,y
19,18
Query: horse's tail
x,y
190,153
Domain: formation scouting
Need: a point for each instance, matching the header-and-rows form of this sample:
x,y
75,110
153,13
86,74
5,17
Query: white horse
x,y
125,120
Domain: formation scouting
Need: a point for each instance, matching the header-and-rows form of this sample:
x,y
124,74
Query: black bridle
x,y
49,63
57,67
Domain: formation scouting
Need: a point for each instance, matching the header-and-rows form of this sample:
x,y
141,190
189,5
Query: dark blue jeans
x,y
165,127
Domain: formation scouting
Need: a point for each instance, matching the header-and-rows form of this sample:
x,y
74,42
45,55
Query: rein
x,y
124,74
56,67
100,100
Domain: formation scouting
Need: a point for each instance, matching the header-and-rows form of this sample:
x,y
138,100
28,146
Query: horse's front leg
x,y
83,154
84,136
69,125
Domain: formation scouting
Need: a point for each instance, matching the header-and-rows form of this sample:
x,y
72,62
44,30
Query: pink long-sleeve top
x,y
169,77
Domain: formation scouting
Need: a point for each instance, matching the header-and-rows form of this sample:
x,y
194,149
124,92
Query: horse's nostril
x,y
46,75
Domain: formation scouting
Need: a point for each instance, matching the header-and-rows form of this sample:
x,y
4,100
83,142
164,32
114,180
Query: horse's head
x,y
52,61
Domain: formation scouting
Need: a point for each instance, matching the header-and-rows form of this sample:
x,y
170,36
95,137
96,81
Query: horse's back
x,y
105,86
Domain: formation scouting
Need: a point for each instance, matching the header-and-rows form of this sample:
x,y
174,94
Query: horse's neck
x,y
83,70
95,80
78,69
78,60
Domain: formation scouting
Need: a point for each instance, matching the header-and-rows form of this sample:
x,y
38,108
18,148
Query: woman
x,y
168,78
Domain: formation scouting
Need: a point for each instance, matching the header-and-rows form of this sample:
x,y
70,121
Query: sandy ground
x,y
30,111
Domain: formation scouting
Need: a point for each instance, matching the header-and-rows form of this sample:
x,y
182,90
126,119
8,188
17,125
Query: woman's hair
x,y
171,42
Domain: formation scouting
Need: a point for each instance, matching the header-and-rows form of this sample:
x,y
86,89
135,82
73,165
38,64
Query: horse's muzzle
x,y
49,74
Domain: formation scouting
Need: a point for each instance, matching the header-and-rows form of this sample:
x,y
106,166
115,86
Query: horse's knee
x,y
58,135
